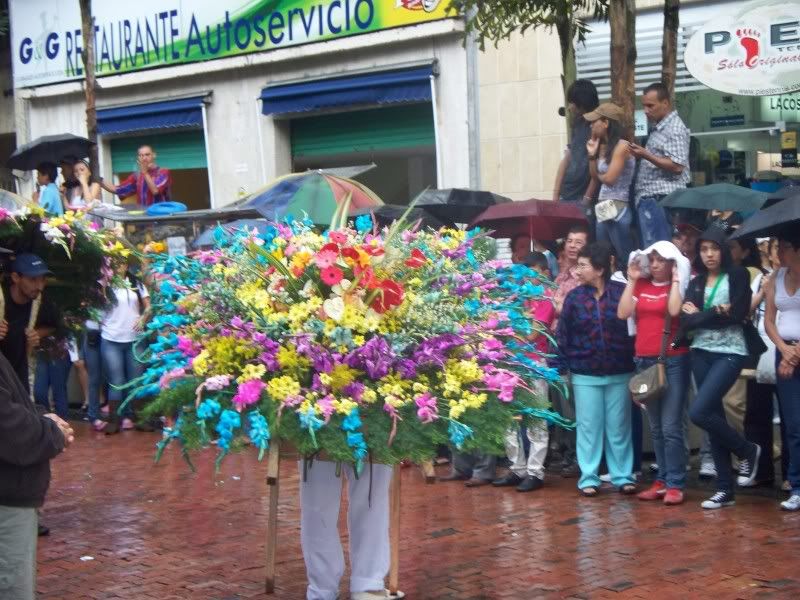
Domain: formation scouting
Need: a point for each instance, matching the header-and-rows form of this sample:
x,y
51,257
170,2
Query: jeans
x,y
120,368
653,223
474,465
52,373
789,400
618,234
94,367
603,412
715,373
759,429
666,421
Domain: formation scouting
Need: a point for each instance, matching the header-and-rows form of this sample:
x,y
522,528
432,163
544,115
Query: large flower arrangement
x,y
79,253
355,343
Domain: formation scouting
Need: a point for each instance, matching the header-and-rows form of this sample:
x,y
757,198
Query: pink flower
x,y
325,258
331,275
326,404
501,381
427,410
217,382
186,346
337,237
170,376
249,392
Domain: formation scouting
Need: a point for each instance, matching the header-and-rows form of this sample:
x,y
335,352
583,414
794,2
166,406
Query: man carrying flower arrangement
x,y
357,348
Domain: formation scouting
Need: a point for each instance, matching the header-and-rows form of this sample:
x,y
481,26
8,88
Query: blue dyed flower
x,y
459,433
364,223
258,432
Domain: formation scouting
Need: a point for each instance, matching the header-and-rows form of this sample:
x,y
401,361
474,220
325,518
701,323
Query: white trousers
x,y
367,524
538,437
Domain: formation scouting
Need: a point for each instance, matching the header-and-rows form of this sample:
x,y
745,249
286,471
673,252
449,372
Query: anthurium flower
x,y
390,294
417,259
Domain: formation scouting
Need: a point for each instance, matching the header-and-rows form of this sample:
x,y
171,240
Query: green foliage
x,y
496,20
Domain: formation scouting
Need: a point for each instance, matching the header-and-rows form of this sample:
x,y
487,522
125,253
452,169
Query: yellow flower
x,y
343,406
369,396
252,372
282,387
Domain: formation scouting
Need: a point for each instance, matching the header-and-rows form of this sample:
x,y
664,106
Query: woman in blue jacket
x,y
594,346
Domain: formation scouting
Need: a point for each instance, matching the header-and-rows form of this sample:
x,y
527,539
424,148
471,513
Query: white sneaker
x,y
385,595
792,503
707,470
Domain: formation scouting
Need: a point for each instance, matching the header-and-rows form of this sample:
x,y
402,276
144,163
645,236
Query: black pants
x,y
758,428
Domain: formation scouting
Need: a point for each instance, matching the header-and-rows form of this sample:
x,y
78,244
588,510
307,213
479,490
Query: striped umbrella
x,y
314,193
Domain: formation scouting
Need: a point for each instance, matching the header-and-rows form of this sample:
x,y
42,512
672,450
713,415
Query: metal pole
x,y
208,157
436,136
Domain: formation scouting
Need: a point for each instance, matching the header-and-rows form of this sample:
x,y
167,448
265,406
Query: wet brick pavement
x,y
161,532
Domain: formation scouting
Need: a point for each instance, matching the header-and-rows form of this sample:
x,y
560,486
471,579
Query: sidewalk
x,y
162,532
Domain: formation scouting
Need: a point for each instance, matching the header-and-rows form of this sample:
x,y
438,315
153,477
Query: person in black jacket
x,y
715,307
28,441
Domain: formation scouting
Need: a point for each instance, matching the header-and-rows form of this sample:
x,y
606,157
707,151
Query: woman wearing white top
x,y
88,192
783,294
120,327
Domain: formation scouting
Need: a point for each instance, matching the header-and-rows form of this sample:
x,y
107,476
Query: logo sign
x,y
47,44
727,121
789,149
754,50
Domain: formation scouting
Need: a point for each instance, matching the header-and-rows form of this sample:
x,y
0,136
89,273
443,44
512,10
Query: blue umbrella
x,y
223,231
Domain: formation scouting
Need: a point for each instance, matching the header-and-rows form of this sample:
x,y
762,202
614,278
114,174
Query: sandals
x,y
590,491
99,425
628,489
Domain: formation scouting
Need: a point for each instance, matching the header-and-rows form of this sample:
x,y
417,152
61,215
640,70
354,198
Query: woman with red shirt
x,y
653,288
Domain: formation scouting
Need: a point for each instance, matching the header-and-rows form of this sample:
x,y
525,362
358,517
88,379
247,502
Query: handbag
x,y
752,339
608,210
651,383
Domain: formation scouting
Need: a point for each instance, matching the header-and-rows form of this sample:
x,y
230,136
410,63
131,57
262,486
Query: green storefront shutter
x,y
176,150
364,130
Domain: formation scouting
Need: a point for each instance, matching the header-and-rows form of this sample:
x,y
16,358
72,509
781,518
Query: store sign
x,y
727,121
789,149
781,108
47,43
752,49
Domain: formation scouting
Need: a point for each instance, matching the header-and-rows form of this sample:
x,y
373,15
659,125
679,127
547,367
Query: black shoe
x,y
508,480
748,467
529,484
454,477
570,470
43,530
719,500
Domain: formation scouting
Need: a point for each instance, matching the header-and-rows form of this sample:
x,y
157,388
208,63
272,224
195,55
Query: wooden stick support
x,y
394,531
428,472
273,467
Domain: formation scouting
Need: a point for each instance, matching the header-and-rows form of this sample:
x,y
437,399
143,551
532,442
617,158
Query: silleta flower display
x,y
355,343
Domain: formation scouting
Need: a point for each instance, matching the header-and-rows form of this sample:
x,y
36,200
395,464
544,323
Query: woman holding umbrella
x,y
717,303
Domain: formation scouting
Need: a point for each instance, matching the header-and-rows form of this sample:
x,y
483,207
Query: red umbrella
x,y
539,219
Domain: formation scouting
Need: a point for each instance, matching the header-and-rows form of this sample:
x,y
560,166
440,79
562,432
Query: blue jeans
x,y
715,373
94,367
618,234
52,373
666,420
120,367
789,400
653,222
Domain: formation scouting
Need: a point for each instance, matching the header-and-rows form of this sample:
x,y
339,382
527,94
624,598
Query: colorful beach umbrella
x,y
312,193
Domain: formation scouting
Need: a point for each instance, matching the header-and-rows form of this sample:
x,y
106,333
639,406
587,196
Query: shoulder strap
x,y
708,303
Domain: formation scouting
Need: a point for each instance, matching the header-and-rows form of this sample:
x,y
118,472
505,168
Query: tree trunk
x,y
669,44
622,18
569,69
90,83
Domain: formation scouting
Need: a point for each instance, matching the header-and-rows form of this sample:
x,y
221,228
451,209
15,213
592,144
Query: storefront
x,y
232,97
736,135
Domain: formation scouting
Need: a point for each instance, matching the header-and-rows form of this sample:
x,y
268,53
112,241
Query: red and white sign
x,y
751,49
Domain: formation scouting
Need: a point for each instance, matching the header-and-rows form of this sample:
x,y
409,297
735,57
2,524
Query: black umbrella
x,y
388,213
787,191
780,217
457,205
48,148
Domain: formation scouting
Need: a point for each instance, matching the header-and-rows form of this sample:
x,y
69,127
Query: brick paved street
x,y
163,532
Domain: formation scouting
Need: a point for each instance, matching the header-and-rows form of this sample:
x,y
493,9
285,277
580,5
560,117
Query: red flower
x,y
390,295
331,275
417,259
331,246
372,250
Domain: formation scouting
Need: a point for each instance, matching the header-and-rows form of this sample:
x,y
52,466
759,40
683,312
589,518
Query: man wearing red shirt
x,y
150,184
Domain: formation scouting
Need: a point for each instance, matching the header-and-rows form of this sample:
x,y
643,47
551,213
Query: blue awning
x,y
388,87
169,114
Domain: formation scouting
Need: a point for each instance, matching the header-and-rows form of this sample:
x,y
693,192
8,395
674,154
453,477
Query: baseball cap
x,y
29,265
609,110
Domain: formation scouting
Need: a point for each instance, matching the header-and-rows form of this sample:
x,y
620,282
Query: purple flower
x,y
374,357
355,390
406,368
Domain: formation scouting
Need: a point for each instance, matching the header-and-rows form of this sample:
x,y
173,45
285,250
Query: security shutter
x,y
378,129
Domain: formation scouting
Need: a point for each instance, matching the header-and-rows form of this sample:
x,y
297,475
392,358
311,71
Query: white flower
x,y
340,289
